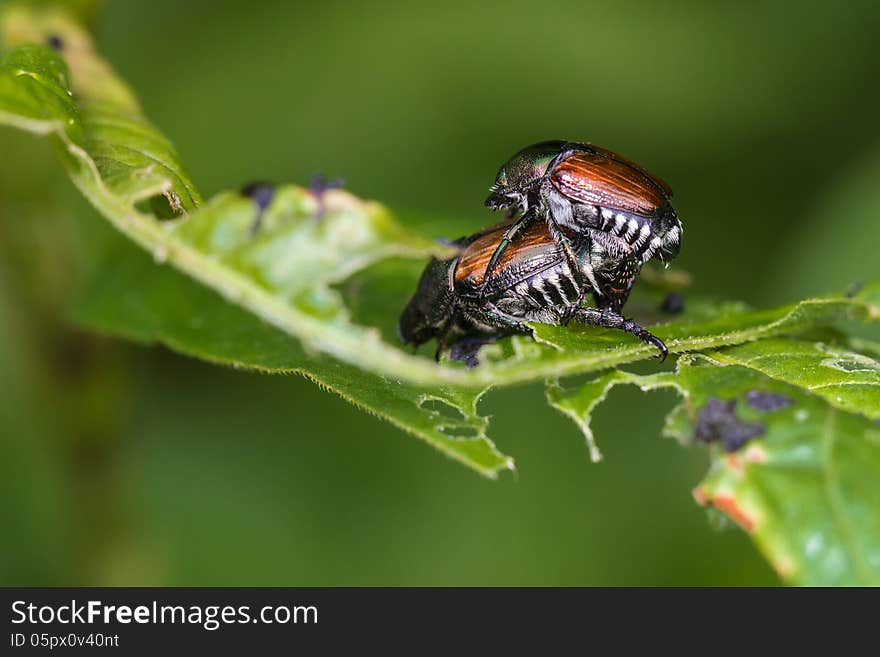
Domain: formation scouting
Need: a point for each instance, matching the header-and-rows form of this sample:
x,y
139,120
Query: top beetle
x,y
583,190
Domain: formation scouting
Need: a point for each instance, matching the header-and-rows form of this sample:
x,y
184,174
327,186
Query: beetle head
x,y
427,314
519,175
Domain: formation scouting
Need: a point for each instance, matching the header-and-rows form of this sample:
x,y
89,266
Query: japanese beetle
x,y
580,189
532,282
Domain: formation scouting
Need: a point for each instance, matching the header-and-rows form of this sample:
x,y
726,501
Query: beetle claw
x,y
662,349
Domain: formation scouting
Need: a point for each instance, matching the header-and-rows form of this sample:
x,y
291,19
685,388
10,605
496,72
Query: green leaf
x,y
119,161
285,275
112,153
148,303
314,284
805,490
845,379
707,326
579,403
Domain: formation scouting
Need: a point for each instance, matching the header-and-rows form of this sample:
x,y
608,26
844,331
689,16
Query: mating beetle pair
x,y
582,220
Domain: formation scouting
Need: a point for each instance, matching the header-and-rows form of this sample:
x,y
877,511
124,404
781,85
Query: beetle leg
x,y
612,300
610,319
614,245
509,235
569,313
580,276
581,272
492,315
615,290
465,349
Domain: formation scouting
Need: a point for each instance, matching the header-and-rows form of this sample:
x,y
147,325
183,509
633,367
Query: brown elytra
x,y
601,177
472,261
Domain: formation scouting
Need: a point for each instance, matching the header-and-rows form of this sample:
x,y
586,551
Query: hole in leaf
x,y
375,296
442,409
460,432
860,364
162,206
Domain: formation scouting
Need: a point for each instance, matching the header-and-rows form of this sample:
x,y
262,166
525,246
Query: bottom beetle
x,y
532,282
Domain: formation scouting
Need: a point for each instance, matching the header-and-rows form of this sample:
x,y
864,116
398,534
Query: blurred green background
x,y
132,466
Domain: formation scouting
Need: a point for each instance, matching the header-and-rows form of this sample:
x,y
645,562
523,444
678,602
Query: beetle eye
x,y
502,178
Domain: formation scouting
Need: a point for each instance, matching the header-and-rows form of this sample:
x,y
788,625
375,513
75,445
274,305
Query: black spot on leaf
x,y
673,304
854,288
262,194
54,42
718,422
319,185
767,401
